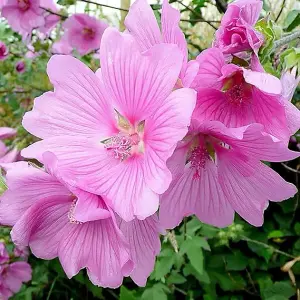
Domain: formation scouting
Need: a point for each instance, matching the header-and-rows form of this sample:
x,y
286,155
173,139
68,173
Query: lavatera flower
x,y
142,24
240,95
115,130
56,219
218,171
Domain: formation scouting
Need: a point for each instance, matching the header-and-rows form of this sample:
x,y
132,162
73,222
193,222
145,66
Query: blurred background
x,y
197,261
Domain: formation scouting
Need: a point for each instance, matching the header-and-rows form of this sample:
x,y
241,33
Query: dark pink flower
x,y
4,256
237,32
12,276
23,15
238,96
218,171
3,51
20,66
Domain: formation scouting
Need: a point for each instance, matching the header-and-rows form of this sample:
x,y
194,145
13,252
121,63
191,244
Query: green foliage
x,y
292,20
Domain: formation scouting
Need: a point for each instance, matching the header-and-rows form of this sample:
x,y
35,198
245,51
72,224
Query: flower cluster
x,y
14,270
148,139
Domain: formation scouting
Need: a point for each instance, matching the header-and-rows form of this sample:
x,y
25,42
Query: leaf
x,y
292,20
297,228
283,289
236,261
125,294
157,292
190,270
164,264
195,256
175,278
275,234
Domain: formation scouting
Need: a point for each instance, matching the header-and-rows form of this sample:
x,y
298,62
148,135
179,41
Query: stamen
x,y
24,4
198,159
120,145
71,214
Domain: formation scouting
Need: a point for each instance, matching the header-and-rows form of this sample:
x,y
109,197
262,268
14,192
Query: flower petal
x,y
79,105
141,23
138,83
143,238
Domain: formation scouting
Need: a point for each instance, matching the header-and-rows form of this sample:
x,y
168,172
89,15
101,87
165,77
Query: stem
x,y
244,238
104,5
290,169
52,286
198,20
281,10
54,13
197,14
286,40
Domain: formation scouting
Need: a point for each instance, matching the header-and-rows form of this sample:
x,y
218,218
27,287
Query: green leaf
x,y
190,270
164,264
195,256
297,228
157,292
282,289
275,234
292,20
236,261
125,294
265,26
175,278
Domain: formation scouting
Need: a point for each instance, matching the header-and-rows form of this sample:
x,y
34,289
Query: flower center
x,y
237,91
198,159
71,216
121,145
24,4
88,33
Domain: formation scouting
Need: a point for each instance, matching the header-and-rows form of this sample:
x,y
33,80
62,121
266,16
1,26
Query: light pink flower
x,y
12,277
56,220
23,15
116,130
62,46
6,155
218,171
3,51
4,256
237,32
142,24
2,3
83,32
51,20
21,252
238,96
20,67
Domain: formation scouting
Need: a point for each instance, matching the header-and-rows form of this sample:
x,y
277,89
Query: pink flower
x,y
62,46
238,96
51,20
115,131
83,32
218,171
21,252
56,219
12,276
3,51
142,24
289,84
20,67
6,155
237,33
23,15
4,256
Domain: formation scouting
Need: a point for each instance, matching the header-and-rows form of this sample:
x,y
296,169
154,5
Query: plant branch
x,y
104,5
221,5
286,39
244,238
198,20
54,13
197,14
290,169
281,10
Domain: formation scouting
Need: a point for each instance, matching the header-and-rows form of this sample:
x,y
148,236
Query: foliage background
x,y
197,261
